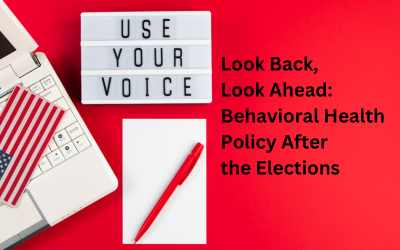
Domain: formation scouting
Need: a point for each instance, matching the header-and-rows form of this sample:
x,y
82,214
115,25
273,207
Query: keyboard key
x,y
44,164
67,120
61,138
52,145
2,105
81,143
74,130
62,103
46,151
55,158
52,94
36,173
68,150
47,82
37,88
4,98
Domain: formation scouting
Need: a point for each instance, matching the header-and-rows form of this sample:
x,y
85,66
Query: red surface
x,y
354,44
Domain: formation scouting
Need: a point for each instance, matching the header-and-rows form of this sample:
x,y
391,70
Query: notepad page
x,y
153,151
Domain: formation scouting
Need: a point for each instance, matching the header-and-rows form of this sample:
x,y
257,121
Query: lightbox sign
x,y
146,57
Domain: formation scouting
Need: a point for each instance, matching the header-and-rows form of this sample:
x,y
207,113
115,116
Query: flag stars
x,y
5,160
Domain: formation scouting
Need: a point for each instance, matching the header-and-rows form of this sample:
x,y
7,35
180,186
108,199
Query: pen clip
x,y
189,171
194,157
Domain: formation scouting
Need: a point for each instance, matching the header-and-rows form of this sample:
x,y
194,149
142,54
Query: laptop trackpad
x,y
15,220
71,186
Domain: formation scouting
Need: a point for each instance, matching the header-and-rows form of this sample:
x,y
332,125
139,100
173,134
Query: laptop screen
x,y
6,47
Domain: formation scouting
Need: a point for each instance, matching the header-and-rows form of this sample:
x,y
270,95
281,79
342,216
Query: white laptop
x,y
73,172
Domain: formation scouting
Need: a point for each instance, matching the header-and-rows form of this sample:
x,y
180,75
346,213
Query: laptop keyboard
x,y
69,139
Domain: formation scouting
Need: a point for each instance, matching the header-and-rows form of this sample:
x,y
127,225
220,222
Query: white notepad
x,y
153,151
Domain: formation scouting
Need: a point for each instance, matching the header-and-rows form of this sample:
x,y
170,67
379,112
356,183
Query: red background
x,y
355,46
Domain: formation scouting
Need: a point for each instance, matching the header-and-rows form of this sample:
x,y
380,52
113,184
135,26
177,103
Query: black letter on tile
x,y
122,29
106,89
147,86
170,92
177,57
143,35
141,57
117,56
155,58
186,86
165,27
123,87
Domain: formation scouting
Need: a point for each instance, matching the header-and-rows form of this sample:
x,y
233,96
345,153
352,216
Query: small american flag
x,y
27,124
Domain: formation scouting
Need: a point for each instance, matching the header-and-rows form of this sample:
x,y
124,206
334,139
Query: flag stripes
x,y
27,124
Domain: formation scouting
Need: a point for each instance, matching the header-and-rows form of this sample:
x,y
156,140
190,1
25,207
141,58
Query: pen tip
x,y
134,242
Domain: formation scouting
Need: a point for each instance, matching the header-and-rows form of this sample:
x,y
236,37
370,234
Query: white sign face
x,y
146,57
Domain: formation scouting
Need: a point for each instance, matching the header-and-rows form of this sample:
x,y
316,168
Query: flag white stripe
x,y
20,146
11,146
10,129
4,122
38,147
26,152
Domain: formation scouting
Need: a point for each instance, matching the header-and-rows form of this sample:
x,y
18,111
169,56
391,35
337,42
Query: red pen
x,y
179,178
